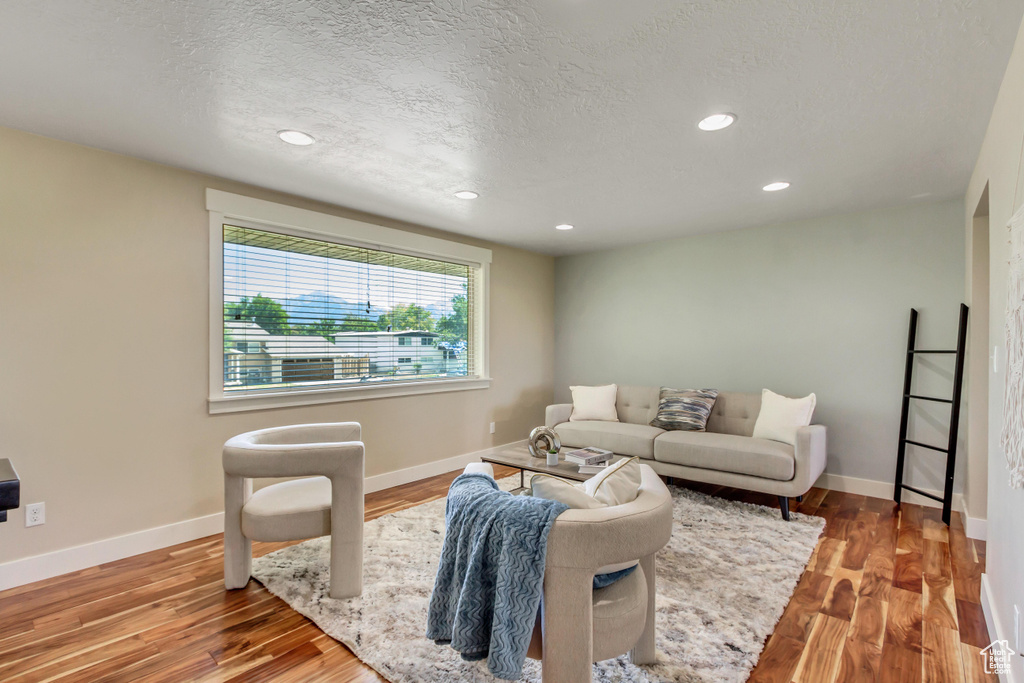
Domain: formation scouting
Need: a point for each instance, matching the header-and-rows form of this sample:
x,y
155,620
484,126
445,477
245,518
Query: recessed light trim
x,y
296,137
717,121
563,226
776,186
467,194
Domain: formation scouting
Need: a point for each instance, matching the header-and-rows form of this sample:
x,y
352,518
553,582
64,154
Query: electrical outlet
x,y
35,514
492,428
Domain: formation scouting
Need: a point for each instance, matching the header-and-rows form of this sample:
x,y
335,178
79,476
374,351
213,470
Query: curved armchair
x,y
579,625
330,501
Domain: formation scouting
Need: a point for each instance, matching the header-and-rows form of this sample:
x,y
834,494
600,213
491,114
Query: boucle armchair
x,y
579,625
328,501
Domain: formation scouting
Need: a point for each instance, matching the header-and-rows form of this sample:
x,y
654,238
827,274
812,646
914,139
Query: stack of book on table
x,y
591,459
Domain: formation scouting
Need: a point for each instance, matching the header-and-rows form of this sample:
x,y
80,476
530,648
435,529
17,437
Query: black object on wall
x,y
10,488
954,416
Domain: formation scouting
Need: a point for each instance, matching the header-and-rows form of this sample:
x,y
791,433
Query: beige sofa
x,y
726,454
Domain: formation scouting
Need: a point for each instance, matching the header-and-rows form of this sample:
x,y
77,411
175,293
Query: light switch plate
x,y
1016,628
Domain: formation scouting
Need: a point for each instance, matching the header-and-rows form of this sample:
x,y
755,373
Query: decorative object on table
x,y
327,501
684,409
781,416
591,455
594,469
10,488
720,549
542,440
594,403
552,458
1012,438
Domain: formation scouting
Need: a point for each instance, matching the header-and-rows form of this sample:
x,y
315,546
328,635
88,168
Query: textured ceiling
x,y
578,111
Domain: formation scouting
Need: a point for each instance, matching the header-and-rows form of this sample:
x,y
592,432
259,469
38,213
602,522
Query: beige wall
x,y
103,349
818,305
998,170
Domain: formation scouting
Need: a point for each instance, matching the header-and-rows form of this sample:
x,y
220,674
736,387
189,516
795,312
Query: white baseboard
x,y
973,527
988,607
48,565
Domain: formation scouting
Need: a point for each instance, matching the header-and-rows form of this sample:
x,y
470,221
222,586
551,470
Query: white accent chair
x,y
579,625
328,501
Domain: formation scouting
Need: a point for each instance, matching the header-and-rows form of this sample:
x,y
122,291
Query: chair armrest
x,y
255,460
811,452
557,414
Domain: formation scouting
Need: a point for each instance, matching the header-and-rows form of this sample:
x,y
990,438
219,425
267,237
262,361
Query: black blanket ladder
x,y
954,416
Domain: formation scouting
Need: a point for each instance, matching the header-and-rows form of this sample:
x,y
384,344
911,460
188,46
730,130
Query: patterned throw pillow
x,y
685,410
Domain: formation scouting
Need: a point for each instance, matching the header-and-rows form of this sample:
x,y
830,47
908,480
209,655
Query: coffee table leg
x,y
522,482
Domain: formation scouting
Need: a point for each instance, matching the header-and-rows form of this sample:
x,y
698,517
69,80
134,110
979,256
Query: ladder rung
x,y
925,445
929,398
932,351
924,493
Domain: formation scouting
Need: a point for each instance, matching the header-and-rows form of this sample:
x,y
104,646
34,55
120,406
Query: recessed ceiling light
x,y
296,137
563,226
466,194
775,187
717,121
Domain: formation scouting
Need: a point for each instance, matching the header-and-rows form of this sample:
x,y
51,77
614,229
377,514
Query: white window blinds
x,y
305,314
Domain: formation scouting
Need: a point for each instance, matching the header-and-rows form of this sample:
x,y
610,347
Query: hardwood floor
x,y
889,595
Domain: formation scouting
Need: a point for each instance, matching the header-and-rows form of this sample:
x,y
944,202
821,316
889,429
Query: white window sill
x,y
288,399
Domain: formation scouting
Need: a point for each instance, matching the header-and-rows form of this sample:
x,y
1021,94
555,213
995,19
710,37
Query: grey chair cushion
x,y
288,510
727,453
620,437
734,413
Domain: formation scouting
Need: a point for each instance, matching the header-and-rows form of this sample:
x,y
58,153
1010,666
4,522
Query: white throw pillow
x,y
618,484
594,403
618,481
552,488
780,416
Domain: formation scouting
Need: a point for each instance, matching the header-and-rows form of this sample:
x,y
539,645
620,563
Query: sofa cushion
x,y
734,413
637,405
620,437
727,453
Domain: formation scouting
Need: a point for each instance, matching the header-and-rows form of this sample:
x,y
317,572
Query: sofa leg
x,y
784,504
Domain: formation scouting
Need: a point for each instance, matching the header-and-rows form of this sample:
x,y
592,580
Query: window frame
x,y
225,207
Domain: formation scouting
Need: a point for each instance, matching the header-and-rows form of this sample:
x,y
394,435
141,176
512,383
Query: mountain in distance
x,y
309,308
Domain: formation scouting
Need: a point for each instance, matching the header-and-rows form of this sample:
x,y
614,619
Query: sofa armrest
x,y
557,414
811,453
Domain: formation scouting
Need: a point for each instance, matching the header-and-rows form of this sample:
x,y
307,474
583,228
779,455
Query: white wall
x,y
104,293
818,305
999,170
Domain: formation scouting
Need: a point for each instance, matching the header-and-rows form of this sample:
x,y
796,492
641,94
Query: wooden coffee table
x,y
519,457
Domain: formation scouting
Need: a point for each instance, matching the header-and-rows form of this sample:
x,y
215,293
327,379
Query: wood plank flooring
x,y
889,595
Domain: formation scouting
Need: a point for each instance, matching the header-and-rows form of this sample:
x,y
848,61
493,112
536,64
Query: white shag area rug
x,y
723,582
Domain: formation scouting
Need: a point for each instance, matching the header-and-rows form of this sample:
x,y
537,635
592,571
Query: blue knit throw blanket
x,y
491,574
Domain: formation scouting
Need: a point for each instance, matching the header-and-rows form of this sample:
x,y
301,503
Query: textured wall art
x,y
1013,403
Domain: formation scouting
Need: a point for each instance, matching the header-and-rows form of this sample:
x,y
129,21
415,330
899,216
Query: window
x,y
318,313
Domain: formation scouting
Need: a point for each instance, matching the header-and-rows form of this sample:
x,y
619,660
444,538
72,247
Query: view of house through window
x,y
303,313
